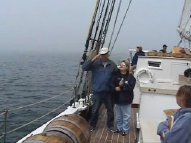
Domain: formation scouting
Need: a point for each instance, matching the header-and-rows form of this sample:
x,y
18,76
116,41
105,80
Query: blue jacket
x,y
181,129
126,95
101,76
135,57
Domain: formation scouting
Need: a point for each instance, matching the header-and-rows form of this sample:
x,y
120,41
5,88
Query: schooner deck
x,y
103,135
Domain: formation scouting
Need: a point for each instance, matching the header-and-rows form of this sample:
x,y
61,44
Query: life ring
x,y
144,76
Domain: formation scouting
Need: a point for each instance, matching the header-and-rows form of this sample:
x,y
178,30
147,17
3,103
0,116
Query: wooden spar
x,y
91,25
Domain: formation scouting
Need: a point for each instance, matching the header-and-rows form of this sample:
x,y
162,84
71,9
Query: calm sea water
x,y
29,78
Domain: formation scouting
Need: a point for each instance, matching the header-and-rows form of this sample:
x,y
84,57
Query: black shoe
x,y
92,129
124,134
118,131
112,129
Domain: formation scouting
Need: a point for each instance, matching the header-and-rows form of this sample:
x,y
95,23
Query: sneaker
x,y
112,129
92,128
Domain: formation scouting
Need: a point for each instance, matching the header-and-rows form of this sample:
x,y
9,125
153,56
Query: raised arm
x,y
88,65
180,132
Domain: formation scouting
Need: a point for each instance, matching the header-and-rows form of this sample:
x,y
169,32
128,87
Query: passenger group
x,y
113,86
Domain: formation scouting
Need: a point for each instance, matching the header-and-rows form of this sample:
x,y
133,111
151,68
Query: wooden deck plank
x,y
103,135
96,134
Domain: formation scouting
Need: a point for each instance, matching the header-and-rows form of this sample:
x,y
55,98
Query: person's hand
x,y
117,88
162,135
131,71
96,57
121,83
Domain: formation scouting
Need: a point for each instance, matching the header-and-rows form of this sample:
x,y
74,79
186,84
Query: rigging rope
x,y
186,26
84,56
97,25
107,22
115,23
21,107
100,5
101,25
1,136
100,37
80,74
91,27
2,113
37,118
121,25
102,33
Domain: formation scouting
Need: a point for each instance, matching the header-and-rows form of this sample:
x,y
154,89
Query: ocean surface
x,y
28,78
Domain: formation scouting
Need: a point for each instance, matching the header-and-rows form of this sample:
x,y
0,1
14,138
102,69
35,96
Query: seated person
x,y
138,53
164,47
177,128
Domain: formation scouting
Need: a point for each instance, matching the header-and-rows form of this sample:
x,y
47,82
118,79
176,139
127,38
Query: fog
x,y
56,26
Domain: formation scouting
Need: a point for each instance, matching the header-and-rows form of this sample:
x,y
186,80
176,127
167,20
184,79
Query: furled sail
x,y
184,27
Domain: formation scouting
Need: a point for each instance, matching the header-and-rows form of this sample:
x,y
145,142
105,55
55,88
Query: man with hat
x,y
139,52
164,47
102,70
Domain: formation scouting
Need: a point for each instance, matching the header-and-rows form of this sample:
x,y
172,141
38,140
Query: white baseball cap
x,y
103,51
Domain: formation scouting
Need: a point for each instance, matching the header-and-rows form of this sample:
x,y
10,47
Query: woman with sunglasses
x,y
123,85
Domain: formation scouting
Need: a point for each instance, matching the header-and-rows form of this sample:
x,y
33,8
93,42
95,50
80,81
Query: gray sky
x,y
62,25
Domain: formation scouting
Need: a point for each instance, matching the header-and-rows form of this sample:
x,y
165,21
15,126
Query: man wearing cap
x,y
164,47
102,70
138,53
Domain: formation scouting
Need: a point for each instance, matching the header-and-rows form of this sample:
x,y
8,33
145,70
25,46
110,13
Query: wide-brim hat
x,y
103,51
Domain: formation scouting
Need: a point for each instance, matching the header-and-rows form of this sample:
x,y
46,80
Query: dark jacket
x,y
163,51
135,57
126,95
101,76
